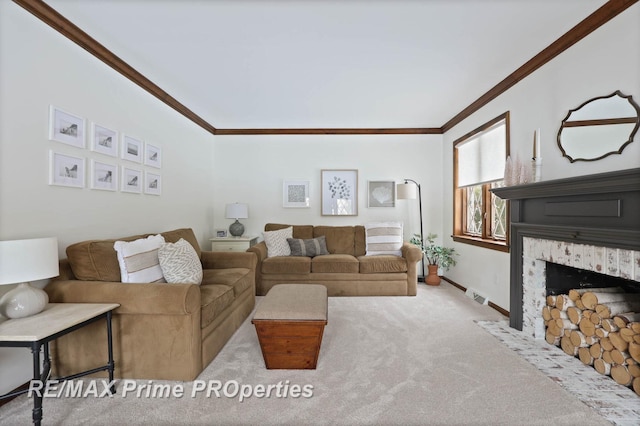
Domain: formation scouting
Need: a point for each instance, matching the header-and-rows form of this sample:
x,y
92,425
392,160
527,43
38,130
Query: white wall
x,y
251,169
605,61
39,67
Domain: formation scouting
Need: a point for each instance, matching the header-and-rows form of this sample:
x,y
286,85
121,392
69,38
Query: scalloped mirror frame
x,y
596,122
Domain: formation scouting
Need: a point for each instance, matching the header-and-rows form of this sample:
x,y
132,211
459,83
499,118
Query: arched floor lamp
x,y
407,191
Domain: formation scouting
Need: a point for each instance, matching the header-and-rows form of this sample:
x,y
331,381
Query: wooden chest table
x,y
290,323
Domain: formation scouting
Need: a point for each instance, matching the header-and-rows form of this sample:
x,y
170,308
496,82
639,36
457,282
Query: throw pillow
x,y
384,238
311,247
138,260
180,263
276,242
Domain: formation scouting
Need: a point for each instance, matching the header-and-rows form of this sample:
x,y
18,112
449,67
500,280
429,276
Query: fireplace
x,y
591,223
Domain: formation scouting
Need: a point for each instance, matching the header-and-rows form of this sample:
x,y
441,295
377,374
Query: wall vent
x,y
473,294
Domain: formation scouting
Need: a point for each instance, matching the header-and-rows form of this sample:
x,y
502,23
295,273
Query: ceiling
x,y
242,64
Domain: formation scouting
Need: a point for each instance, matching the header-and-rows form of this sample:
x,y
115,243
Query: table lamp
x,y
22,261
237,211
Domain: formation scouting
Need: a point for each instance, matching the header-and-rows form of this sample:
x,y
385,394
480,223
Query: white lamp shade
x,y
407,191
28,260
237,211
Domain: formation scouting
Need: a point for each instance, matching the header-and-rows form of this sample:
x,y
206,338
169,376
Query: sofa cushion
x,y
335,263
311,247
276,242
299,231
384,238
214,299
360,244
237,278
180,263
139,261
184,233
286,265
340,239
382,264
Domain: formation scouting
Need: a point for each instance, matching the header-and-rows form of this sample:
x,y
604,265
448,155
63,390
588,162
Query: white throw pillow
x,y
276,241
180,263
139,260
384,238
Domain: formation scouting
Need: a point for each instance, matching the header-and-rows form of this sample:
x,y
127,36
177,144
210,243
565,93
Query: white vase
x,y
23,301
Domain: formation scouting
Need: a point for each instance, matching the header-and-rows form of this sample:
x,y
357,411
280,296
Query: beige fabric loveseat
x,y
345,271
160,331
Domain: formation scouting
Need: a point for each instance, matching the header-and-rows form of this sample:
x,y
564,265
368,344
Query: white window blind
x,y
481,159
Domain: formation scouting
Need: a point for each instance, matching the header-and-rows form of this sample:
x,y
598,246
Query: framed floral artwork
x,y
339,194
66,127
381,193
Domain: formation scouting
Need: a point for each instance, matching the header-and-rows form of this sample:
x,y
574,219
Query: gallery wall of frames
x,y
126,163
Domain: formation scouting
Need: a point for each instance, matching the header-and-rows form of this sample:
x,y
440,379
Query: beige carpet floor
x,y
384,361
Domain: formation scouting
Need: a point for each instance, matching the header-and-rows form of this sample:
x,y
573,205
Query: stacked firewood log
x,y
600,326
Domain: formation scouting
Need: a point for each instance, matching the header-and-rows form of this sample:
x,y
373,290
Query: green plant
x,y
444,257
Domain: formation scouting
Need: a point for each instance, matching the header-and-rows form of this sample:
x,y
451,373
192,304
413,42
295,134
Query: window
x,y
481,218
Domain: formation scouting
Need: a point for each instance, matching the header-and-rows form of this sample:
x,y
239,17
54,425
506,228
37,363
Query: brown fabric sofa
x,y
160,331
345,271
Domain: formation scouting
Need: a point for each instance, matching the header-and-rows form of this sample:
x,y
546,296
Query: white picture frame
x,y
66,127
131,180
104,140
152,183
104,176
131,149
152,155
381,193
66,170
295,194
339,194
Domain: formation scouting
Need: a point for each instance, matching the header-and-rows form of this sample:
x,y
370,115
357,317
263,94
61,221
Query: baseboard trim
x,y
491,304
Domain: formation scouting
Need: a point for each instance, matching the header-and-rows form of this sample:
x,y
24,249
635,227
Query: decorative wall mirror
x,y
599,127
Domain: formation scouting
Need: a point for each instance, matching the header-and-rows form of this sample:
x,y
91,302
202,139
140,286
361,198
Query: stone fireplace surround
x,y
588,222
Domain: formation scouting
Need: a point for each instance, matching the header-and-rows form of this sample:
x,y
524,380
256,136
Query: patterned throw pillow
x,y
180,263
138,260
276,242
312,247
384,238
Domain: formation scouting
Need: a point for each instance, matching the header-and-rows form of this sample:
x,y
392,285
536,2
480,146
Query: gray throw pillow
x,y
312,247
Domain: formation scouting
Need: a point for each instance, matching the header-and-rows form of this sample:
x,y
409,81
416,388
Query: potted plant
x,y
437,257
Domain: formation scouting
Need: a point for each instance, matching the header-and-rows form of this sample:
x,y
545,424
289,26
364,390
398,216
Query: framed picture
x,y
295,193
152,183
131,180
103,140
339,192
131,149
382,193
152,155
65,170
66,127
104,176
221,233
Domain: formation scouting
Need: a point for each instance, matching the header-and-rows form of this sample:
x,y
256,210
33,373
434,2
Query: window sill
x,y
489,244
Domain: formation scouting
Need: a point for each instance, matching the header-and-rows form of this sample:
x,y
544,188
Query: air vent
x,y
473,294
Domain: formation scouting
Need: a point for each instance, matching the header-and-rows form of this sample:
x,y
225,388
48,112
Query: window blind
x,y
481,159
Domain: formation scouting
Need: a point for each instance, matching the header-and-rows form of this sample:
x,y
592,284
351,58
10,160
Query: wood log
x,y
635,326
546,313
606,357
634,351
596,350
585,356
554,329
580,305
636,338
578,339
611,309
563,302
595,318
575,293
634,370
617,341
609,325
591,340
574,314
568,347
567,333
636,385
606,344
620,357
591,299
587,327
627,334
551,338
601,332
602,367
621,319
621,375
558,314
551,300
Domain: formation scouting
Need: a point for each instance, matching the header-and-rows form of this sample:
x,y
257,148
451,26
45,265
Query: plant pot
x,y
432,277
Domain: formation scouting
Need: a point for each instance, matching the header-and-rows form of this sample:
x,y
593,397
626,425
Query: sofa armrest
x,y
411,252
260,251
226,260
141,299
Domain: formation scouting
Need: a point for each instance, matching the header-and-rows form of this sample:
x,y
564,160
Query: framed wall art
x,y
104,140
152,183
295,194
131,149
339,193
66,170
152,156
381,193
104,176
66,127
131,180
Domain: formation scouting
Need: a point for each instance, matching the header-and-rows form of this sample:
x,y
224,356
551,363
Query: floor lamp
x,y
407,191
